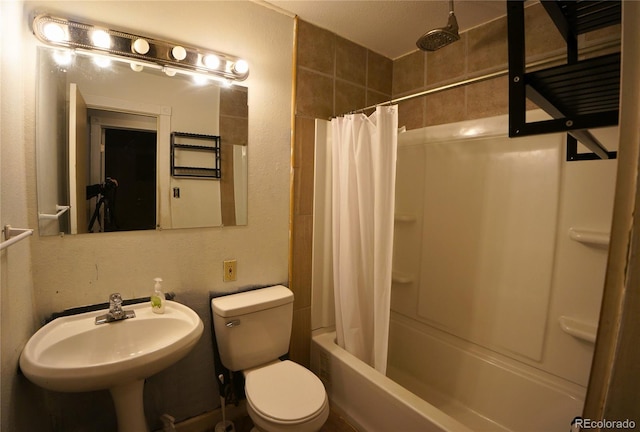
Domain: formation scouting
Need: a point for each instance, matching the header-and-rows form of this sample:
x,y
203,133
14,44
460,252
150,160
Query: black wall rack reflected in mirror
x,y
195,155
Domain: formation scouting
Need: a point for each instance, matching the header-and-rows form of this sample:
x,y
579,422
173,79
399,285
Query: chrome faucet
x,y
115,306
116,313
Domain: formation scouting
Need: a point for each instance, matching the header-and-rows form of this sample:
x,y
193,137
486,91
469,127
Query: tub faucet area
x,y
116,313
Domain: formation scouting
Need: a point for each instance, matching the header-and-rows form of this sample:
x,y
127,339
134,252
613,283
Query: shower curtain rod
x,y
539,63
438,89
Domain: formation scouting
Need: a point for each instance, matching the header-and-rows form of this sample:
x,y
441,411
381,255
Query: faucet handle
x,y
115,306
116,313
115,299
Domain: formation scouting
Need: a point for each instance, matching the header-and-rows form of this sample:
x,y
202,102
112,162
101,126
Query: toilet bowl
x,y
253,330
285,397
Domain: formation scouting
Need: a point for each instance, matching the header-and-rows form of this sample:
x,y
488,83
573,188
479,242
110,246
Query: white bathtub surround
x,y
490,252
364,153
487,237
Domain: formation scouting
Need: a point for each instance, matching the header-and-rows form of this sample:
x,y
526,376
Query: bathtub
x,y
369,400
518,400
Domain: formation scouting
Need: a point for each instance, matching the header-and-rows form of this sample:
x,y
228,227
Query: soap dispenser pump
x,y
157,298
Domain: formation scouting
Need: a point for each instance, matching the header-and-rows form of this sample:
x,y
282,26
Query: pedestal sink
x,y
73,354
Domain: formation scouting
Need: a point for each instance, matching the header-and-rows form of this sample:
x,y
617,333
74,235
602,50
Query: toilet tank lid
x,y
251,301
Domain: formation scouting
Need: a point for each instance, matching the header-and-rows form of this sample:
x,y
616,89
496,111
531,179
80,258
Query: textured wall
x,y
84,269
20,403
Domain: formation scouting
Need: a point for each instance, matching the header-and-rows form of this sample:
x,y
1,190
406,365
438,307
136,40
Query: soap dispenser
x,y
157,298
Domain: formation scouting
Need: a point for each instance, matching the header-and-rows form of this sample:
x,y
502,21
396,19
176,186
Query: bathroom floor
x,y
335,423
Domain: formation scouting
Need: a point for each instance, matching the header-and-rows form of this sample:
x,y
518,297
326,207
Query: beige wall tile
x,y
234,113
303,165
446,107
358,78
305,135
314,97
488,47
349,97
374,97
302,241
234,130
227,195
411,113
379,73
408,73
300,347
351,61
541,35
488,98
447,64
316,48
233,102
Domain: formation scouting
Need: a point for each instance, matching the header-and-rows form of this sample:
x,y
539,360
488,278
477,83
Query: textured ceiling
x,y
390,27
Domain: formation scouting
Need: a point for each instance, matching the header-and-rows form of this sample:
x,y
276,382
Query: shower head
x,y
440,37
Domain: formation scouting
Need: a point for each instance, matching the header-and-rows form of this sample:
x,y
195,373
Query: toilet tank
x,y
253,327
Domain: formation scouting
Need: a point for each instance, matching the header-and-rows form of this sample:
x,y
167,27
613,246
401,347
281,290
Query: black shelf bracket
x,y
579,95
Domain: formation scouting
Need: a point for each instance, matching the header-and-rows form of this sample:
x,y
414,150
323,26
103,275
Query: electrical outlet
x,y
230,272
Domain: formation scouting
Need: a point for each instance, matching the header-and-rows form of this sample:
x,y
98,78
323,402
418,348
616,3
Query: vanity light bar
x,y
74,35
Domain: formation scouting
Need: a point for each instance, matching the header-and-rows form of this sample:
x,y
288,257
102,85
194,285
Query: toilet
x,y
253,330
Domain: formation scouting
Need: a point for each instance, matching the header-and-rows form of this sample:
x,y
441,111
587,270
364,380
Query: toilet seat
x,y
285,393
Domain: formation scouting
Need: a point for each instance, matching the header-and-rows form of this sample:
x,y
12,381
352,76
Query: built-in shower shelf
x,y
401,279
580,95
591,238
405,218
578,329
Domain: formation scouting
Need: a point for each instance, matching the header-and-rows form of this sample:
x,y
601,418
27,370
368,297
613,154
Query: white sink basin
x,y
73,354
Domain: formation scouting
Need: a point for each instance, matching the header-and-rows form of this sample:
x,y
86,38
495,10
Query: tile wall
x,y
335,76
481,50
234,128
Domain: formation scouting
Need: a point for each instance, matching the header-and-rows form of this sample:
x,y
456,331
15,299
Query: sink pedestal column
x,y
129,405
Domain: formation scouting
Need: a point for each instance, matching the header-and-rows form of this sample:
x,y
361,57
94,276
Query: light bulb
x,y
200,79
54,32
136,67
169,72
103,62
141,46
62,58
179,53
241,67
211,61
101,39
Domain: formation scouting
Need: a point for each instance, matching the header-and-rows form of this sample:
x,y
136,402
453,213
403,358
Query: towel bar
x,y
9,233
60,211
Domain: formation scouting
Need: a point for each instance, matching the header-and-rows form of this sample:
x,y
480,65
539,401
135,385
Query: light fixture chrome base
x,y
138,50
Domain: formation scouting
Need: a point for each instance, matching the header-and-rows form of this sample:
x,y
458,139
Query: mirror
x,y
121,150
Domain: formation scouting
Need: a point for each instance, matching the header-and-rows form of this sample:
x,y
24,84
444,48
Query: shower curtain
x,y
363,196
